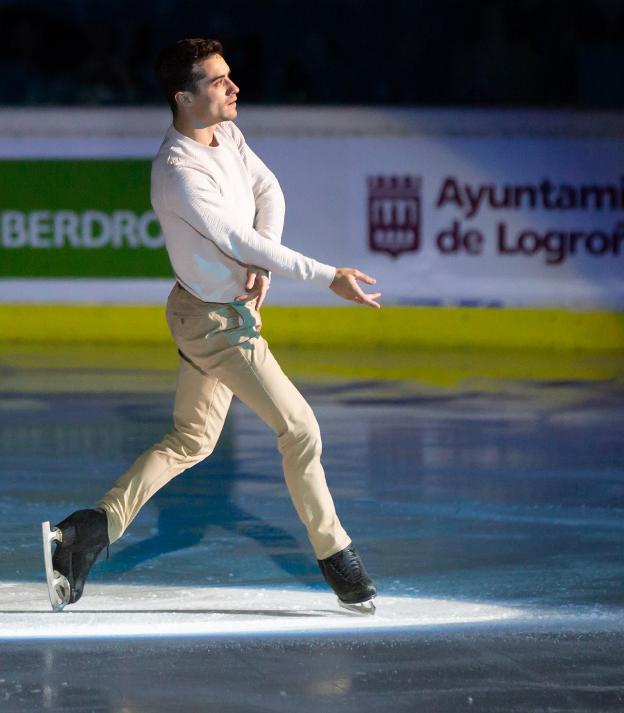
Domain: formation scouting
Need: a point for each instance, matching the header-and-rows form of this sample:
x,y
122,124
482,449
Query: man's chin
x,y
229,112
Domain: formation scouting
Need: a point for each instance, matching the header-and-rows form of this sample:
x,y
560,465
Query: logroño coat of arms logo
x,y
394,213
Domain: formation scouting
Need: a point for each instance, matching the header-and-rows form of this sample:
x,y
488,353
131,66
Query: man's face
x,y
214,99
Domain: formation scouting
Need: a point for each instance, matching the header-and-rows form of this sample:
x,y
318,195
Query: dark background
x,y
550,53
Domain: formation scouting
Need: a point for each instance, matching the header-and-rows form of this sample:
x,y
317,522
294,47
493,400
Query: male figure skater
x,y
222,213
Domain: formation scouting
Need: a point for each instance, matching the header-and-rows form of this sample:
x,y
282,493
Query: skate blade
x,y
368,607
58,586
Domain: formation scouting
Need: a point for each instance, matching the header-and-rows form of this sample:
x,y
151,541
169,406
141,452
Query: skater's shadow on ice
x,y
199,500
318,613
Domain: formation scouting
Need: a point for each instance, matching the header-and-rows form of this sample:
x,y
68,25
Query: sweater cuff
x,y
324,274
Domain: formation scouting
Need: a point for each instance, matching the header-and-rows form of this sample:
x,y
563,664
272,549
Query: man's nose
x,y
233,88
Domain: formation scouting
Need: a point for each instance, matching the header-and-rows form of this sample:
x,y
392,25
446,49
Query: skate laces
x,y
348,566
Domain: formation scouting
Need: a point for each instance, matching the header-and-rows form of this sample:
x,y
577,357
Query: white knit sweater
x,y
221,209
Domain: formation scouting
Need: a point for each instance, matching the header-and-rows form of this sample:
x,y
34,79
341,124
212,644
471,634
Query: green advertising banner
x,y
79,218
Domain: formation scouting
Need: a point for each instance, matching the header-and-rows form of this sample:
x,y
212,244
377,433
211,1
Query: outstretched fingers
x,y
345,285
362,277
367,299
370,299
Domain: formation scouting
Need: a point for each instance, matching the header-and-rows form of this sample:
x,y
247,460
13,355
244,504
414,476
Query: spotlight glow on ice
x,y
123,610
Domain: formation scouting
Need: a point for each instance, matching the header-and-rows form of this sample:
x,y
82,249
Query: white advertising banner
x,y
461,221
474,211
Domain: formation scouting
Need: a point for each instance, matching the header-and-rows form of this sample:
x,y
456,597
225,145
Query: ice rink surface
x,y
489,514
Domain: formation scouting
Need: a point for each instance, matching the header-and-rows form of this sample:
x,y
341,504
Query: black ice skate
x,y
345,574
79,540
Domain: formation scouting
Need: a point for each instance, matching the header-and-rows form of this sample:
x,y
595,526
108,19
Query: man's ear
x,y
183,98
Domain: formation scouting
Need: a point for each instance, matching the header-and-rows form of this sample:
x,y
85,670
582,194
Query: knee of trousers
x,y
302,433
189,446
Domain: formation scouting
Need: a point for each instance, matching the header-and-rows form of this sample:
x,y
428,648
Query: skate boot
x,y
345,574
79,540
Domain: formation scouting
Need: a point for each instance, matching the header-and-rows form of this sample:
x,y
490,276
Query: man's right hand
x,y
345,285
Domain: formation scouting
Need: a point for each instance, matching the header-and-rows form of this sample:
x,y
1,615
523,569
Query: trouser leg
x,y
251,372
258,381
201,405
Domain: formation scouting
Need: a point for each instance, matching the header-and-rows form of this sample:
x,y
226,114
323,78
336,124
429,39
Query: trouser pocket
x,y
213,330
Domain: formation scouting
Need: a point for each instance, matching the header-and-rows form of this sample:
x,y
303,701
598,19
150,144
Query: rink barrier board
x,y
349,327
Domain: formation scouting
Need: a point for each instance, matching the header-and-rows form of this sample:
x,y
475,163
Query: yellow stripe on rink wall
x,y
333,327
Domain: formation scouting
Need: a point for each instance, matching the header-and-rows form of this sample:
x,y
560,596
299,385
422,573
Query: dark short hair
x,y
175,65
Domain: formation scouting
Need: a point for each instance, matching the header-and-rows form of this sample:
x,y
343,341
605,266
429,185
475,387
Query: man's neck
x,y
203,135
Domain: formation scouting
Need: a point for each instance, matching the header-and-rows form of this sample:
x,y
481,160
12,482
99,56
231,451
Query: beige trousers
x,y
222,353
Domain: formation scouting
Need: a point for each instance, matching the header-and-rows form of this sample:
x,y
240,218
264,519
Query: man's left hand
x,y
256,286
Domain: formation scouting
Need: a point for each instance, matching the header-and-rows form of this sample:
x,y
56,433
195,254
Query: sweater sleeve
x,y
270,204
195,197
